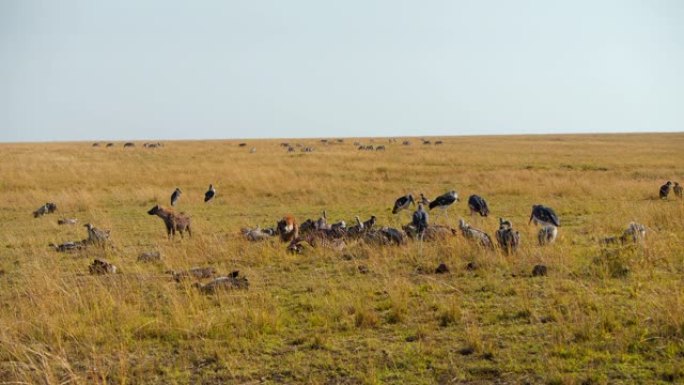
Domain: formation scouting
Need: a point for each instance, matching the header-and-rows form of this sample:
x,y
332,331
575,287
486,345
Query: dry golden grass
x,y
602,315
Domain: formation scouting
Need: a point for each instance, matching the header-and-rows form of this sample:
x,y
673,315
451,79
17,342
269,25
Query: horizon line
x,y
567,133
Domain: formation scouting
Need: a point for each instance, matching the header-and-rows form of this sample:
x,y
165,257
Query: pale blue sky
x,y
87,70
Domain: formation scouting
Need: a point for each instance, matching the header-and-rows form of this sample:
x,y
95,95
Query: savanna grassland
x,y
603,315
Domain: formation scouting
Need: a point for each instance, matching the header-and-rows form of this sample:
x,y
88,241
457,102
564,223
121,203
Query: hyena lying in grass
x,y
47,208
173,221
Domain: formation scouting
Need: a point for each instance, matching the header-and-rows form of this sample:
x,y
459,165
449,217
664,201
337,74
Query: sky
x,y
160,69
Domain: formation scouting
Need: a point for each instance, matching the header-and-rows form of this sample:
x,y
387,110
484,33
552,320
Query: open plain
x,y
604,314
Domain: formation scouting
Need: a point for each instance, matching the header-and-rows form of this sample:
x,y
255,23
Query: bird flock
x,y
336,235
315,232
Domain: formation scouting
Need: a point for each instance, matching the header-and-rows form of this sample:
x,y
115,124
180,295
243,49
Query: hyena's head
x,y
155,210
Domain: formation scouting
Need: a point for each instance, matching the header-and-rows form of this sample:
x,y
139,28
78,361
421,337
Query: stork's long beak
x,y
531,216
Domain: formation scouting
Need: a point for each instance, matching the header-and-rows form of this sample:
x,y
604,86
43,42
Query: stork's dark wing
x,y
442,200
208,195
475,202
547,214
484,209
401,202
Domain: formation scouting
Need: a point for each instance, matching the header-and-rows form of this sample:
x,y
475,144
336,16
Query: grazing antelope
x,y
209,195
173,221
380,148
665,190
472,233
129,144
507,238
175,196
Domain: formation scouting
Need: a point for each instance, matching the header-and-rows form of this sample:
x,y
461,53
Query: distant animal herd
x,y
314,233
288,146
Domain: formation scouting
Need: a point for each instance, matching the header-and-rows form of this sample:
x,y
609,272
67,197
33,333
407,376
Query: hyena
x,y
173,221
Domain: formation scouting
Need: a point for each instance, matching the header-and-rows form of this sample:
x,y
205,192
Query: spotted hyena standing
x,y
173,221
